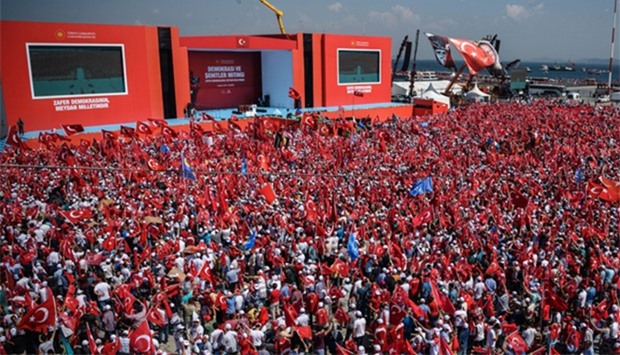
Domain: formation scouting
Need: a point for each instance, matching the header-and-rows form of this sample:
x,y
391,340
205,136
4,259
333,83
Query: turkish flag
x,y
425,216
76,216
40,318
475,57
110,243
92,346
516,342
268,193
341,316
107,134
308,120
157,122
358,93
140,340
305,332
168,132
155,317
554,300
290,314
242,42
154,165
263,161
112,347
613,188
14,140
143,128
207,117
397,313
598,191
206,274
518,200
294,94
128,131
71,129
311,212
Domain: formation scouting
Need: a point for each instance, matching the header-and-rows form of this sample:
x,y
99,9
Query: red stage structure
x,y
97,75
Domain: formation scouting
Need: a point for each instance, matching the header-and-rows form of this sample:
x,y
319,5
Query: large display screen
x,y
357,66
76,70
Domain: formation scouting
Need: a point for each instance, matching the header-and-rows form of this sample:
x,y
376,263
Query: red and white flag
x,y
155,165
76,216
166,131
71,129
140,340
14,140
129,132
517,343
40,318
475,57
143,128
107,134
268,193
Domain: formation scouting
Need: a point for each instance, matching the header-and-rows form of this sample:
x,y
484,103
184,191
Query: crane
x,y
278,13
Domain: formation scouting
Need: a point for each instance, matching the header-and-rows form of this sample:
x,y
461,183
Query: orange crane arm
x,y
278,15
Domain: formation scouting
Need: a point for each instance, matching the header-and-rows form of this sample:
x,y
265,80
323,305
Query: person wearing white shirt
x,y
359,328
303,319
229,340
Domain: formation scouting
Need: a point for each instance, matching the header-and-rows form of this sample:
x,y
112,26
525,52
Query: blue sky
x,y
559,30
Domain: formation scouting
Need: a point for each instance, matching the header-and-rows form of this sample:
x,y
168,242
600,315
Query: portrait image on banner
x,y
441,48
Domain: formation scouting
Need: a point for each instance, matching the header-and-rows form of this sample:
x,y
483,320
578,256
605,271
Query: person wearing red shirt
x,y
274,301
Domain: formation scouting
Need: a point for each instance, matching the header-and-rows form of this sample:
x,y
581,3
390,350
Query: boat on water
x,y
558,67
544,67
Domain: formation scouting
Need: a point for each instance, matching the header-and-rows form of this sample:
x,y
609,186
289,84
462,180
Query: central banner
x,y
224,79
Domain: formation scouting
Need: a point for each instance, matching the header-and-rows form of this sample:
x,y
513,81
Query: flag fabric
x,y
421,187
268,193
158,122
475,57
140,340
107,134
578,176
71,129
111,348
76,216
251,242
155,317
40,318
496,69
353,248
441,48
155,165
129,132
294,94
186,169
143,128
516,342
92,346
13,139
167,131
358,93
66,344
244,166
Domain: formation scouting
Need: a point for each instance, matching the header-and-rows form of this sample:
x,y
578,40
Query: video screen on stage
x,y
355,66
76,70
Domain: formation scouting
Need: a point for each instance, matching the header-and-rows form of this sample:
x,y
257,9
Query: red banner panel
x,y
225,79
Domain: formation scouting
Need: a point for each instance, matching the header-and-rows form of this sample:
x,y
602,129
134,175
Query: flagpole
x,y
613,37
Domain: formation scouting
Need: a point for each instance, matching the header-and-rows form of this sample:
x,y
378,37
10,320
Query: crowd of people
x,y
493,228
